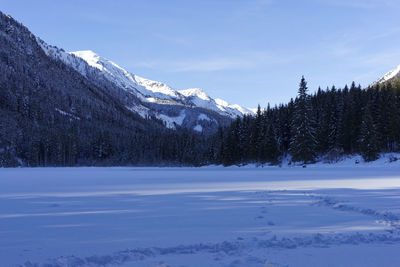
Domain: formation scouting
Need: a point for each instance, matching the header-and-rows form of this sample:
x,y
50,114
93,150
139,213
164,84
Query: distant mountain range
x,y
190,108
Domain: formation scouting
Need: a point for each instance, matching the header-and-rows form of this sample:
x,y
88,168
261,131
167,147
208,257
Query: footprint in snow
x,y
263,210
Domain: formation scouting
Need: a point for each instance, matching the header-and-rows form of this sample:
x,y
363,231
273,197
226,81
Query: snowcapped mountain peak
x,y
158,92
90,57
158,88
388,76
201,99
241,109
120,75
145,89
221,102
195,92
149,92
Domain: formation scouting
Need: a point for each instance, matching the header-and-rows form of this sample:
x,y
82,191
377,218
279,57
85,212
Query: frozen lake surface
x,y
318,216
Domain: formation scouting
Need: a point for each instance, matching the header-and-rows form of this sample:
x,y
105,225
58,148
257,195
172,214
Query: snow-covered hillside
x,y
200,99
148,91
145,89
154,91
393,74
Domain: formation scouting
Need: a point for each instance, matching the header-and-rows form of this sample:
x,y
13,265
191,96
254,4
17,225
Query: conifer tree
x,y
302,146
256,135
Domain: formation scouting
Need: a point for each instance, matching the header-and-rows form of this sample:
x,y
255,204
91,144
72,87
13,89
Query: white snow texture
x,y
343,214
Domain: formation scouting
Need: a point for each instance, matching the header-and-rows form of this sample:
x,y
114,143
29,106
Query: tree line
x,y
326,125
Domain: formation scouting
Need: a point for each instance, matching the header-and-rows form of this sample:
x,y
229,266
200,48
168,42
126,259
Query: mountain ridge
x,y
153,98
162,91
391,76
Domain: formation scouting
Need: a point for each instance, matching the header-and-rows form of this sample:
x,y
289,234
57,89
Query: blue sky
x,y
247,52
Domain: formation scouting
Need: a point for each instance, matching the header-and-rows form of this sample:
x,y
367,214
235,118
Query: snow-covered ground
x,y
324,215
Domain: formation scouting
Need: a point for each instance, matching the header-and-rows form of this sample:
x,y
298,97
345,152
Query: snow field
x,y
320,216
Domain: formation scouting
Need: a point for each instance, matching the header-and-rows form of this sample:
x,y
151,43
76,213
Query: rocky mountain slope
x,y
191,108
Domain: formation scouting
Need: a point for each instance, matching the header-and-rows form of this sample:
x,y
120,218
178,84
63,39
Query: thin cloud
x,y
173,39
390,58
212,64
246,61
352,42
251,8
358,4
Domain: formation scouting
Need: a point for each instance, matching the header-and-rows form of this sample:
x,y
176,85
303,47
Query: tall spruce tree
x,y
302,145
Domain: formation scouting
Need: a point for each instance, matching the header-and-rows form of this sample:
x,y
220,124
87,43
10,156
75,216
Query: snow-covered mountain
x,y
145,89
158,92
200,99
391,76
174,107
